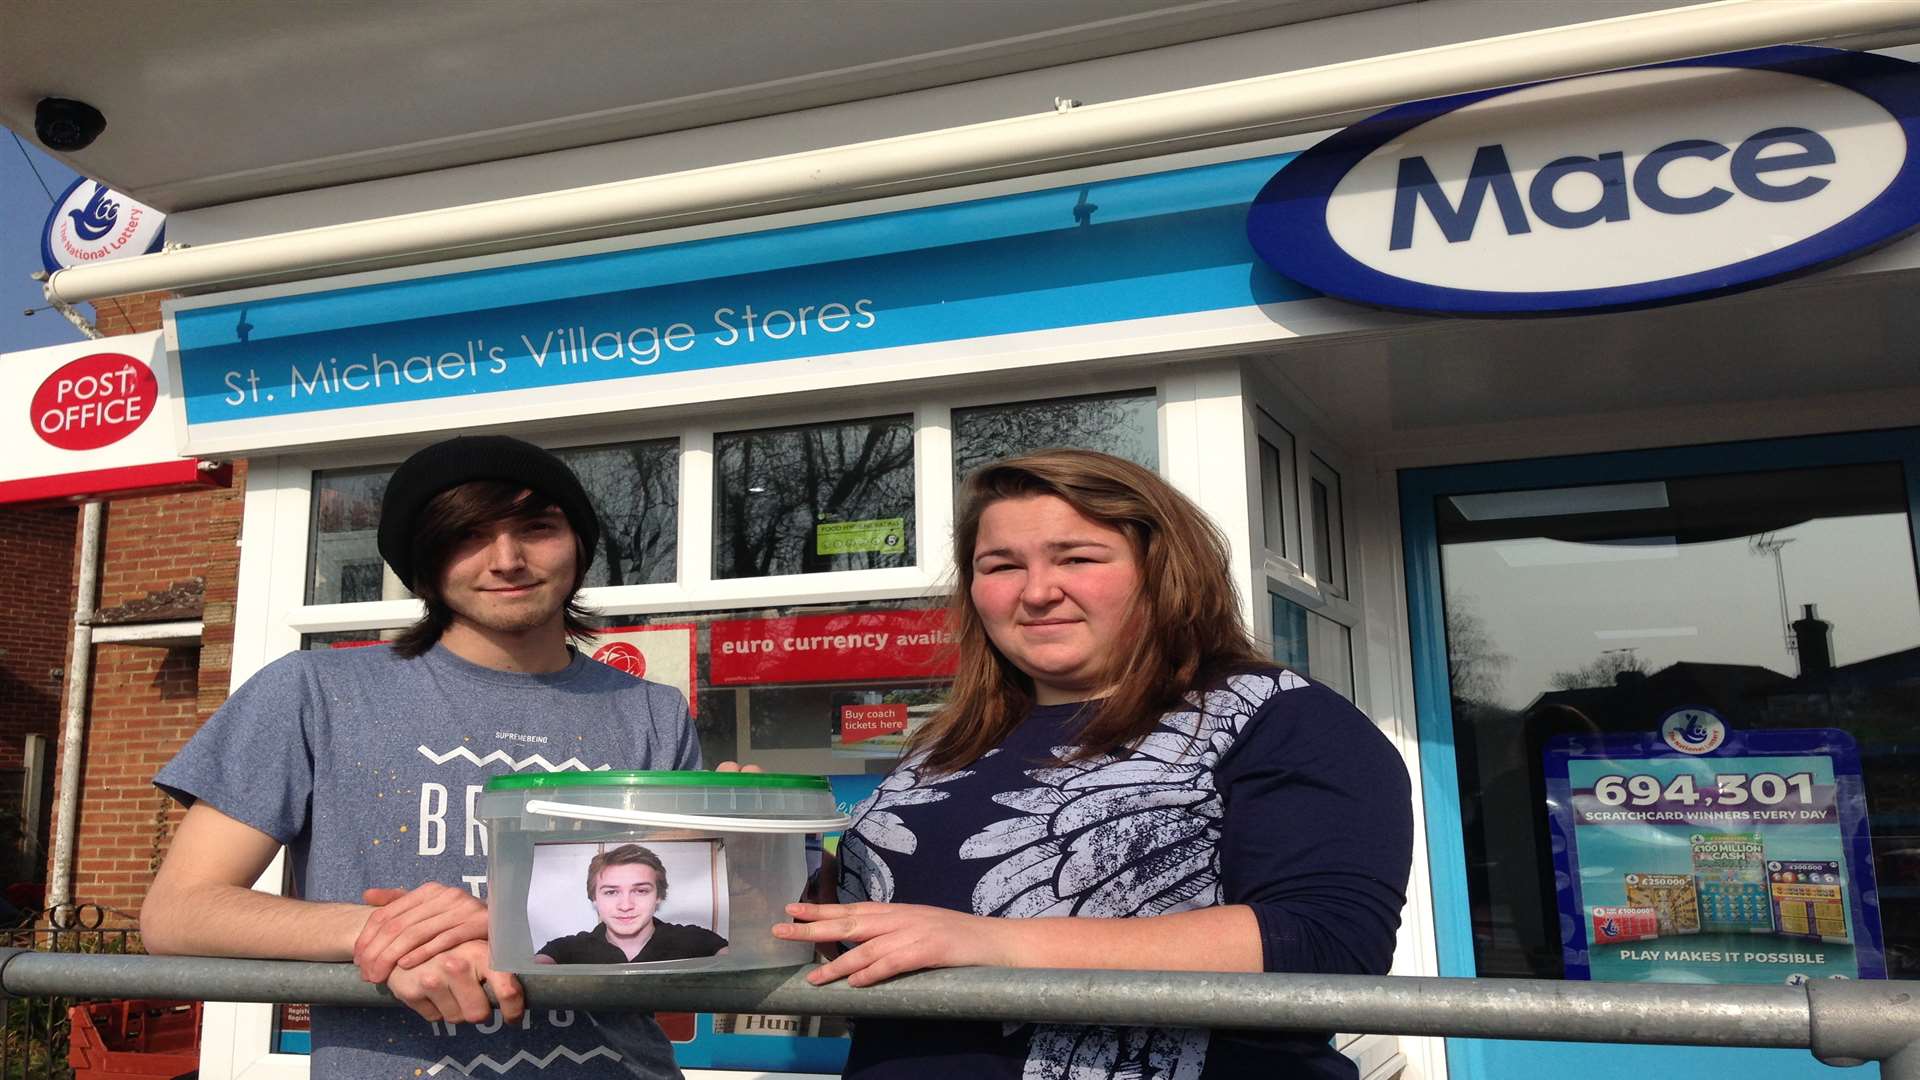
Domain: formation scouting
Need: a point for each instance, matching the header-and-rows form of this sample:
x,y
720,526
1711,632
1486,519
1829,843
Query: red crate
x,y
145,1039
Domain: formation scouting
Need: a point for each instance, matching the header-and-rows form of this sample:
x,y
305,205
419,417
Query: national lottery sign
x,y
1747,862
91,223
1623,189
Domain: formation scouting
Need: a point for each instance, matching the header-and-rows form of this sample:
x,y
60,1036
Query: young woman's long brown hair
x,y
1183,632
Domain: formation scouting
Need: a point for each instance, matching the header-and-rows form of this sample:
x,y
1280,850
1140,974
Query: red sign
x,y
94,401
78,422
663,653
858,723
625,657
848,646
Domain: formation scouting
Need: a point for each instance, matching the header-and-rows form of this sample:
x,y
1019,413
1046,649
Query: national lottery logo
x,y
1693,730
95,220
91,222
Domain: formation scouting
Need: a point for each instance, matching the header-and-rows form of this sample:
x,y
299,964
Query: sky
x,y
29,182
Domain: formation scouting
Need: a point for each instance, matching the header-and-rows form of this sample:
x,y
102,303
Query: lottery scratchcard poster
x,y
1700,853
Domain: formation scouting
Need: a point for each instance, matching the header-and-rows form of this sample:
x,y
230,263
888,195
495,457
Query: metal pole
x,y
73,724
1842,1022
1766,1016
1853,1022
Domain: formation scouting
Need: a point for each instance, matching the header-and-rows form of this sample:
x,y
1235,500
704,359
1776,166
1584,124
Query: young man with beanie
x,y
366,765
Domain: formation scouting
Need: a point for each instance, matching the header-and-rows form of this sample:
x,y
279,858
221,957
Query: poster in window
x,y
662,654
1700,853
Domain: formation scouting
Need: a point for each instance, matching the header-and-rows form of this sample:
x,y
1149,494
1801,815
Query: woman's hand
x,y
898,938
734,766
409,927
452,986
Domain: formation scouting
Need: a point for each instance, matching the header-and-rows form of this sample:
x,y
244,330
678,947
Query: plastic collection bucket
x,y
573,857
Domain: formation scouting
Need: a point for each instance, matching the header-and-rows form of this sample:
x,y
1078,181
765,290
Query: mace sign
x,y
1624,189
79,422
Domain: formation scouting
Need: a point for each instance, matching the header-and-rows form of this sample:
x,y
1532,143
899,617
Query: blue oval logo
x,y
1625,189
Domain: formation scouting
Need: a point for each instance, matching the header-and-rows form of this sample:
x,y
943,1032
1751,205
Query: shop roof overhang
x,y
1156,124
209,102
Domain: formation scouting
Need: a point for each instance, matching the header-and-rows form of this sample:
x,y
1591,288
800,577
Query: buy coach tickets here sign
x,y
87,419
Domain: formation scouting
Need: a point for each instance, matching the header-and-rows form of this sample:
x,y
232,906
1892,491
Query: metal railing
x,y
1841,1022
33,1032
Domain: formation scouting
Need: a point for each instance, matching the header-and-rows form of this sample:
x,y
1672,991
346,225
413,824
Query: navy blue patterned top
x,y
1274,792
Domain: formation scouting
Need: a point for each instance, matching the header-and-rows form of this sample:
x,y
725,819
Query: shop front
x,y
1633,588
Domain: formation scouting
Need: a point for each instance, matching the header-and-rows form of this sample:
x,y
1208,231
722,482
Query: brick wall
x,y
145,704
128,314
148,700
36,560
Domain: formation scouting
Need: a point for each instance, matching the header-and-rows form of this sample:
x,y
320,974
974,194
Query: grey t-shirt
x,y
369,767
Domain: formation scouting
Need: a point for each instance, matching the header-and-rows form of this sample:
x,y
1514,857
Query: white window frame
x,y
1334,592
1333,576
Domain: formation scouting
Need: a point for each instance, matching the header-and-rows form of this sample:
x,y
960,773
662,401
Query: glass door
x,y
1669,710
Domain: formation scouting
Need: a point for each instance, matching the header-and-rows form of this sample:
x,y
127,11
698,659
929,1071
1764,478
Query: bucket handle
x,y
662,819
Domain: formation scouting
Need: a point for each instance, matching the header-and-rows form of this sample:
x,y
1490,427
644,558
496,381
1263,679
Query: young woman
x,y
1119,780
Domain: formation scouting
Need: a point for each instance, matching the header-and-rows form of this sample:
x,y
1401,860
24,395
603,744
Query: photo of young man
x,y
627,885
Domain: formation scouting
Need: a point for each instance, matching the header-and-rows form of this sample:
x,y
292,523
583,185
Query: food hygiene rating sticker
x,y
886,535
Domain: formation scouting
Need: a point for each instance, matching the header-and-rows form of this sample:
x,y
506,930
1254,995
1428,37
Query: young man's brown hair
x,y
442,493
628,855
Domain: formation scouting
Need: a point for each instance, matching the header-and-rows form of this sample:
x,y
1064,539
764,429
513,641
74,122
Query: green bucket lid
x,y
644,778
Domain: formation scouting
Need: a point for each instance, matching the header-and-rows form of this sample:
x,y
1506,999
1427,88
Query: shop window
x,y
827,689
1280,516
1328,530
1313,645
343,563
1125,425
362,580
1688,701
634,487
805,500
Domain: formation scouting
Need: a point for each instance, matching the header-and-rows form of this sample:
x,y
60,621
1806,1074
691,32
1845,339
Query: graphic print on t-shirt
x,y
572,764
432,832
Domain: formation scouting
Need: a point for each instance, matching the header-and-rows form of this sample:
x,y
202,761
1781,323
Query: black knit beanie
x,y
453,462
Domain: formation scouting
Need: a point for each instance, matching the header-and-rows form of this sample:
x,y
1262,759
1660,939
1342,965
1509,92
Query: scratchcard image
x,y
1730,874
1809,899
1672,897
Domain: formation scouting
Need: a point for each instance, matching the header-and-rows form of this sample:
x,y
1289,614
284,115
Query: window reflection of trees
x,y
774,488
346,511
1123,425
635,488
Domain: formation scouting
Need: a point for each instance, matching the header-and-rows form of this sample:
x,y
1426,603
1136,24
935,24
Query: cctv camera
x,y
67,125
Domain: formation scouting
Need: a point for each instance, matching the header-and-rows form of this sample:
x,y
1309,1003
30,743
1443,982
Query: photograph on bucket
x,y
628,903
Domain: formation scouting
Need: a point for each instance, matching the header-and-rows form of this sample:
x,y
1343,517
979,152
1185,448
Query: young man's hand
x,y
407,928
452,986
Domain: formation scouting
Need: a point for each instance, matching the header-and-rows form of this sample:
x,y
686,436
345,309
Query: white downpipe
x,y
1222,114
73,722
